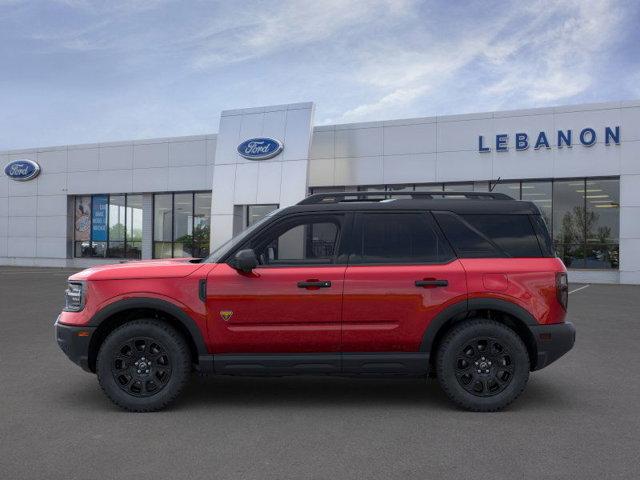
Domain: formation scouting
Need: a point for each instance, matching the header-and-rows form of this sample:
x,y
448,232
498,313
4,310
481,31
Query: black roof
x,y
456,202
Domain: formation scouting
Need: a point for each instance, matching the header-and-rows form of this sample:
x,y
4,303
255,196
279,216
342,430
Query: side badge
x,y
226,315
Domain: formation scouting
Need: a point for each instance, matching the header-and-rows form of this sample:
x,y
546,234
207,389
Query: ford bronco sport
x,y
462,286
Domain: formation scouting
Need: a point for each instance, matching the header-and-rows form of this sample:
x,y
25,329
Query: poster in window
x,y
99,218
83,219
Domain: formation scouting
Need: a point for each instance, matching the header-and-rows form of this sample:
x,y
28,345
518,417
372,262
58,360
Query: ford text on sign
x,y
22,170
260,148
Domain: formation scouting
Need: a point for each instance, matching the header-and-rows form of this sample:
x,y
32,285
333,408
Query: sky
x,y
80,71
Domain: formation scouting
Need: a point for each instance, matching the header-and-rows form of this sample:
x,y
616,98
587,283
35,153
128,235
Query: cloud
x,y
541,53
127,69
406,76
398,98
255,33
553,60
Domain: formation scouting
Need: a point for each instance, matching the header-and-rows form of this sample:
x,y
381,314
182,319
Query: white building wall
x,y
445,149
280,180
35,219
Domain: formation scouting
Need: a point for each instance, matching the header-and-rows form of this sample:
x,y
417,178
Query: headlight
x,y
74,297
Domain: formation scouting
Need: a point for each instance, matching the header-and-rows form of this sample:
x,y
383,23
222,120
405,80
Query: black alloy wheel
x,y
482,365
143,365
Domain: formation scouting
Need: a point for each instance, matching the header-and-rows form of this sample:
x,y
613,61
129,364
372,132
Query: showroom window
x,y
181,224
586,222
255,213
108,226
582,215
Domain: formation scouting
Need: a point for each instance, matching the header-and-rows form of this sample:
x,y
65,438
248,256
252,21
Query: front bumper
x,y
552,342
74,342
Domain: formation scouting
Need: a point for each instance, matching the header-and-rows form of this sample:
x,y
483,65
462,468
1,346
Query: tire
x,y
502,362
161,372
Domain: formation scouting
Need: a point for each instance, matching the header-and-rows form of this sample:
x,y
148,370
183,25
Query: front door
x,y
290,303
401,274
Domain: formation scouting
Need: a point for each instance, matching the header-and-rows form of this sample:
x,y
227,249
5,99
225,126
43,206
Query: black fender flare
x,y
156,304
465,306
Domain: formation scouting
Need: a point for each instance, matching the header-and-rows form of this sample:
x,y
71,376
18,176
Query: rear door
x,y
401,274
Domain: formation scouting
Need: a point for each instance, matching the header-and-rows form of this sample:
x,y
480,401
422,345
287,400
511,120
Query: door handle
x,y
314,284
431,283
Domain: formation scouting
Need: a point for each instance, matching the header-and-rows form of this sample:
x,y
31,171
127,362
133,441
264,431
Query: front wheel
x,y
482,365
143,365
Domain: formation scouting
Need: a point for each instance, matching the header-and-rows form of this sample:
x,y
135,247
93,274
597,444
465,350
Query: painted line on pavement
x,y
578,289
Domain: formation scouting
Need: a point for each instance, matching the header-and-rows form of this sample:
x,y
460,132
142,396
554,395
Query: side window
x,y
303,241
512,233
467,242
398,238
544,239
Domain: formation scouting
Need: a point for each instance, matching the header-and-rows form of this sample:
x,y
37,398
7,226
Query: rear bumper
x,y
74,342
552,342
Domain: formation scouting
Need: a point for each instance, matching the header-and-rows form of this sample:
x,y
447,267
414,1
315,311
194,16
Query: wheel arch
x,y
123,311
505,312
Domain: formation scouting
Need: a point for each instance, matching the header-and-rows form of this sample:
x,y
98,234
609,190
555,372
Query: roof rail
x,y
338,197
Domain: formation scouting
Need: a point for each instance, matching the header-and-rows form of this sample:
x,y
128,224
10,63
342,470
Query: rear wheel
x,y
482,365
143,365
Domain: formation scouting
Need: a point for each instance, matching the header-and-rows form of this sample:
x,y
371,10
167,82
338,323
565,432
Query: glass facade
x,y
181,224
108,226
583,214
258,212
586,224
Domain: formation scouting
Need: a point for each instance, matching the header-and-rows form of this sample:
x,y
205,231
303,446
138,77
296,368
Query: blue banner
x,y
99,206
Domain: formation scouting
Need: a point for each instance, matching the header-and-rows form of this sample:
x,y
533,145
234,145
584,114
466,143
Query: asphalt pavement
x,y
578,418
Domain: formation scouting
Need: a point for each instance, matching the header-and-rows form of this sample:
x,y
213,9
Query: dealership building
x,y
81,205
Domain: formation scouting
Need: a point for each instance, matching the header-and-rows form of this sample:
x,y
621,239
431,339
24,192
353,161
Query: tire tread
x,y
184,358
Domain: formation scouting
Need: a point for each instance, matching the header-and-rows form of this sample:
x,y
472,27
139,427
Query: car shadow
x,y
339,391
313,391
319,392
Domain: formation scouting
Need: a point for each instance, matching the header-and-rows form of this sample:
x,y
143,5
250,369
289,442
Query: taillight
x,y
562,289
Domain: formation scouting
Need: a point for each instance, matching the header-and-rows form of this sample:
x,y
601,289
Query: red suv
x,y
463,286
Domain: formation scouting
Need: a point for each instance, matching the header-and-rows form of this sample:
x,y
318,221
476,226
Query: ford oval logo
x,y
22,170
260,148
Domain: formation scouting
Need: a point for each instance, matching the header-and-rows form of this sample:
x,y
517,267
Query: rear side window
x,y
467,241
398,238
514,234
544,239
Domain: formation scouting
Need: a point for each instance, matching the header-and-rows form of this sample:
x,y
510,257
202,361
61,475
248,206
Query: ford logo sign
x,y
22,170
260,148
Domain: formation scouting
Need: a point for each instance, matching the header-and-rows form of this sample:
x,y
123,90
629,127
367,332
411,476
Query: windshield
x,y
232,243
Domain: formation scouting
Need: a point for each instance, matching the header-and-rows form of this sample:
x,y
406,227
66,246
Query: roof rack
x,y
339,197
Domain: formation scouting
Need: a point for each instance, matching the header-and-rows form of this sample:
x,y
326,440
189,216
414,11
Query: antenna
x,y
494,185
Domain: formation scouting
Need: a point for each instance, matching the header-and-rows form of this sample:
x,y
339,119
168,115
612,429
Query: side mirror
x,y
245,260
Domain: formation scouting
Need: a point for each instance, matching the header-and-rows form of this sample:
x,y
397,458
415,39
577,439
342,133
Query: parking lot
x,y
579,418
